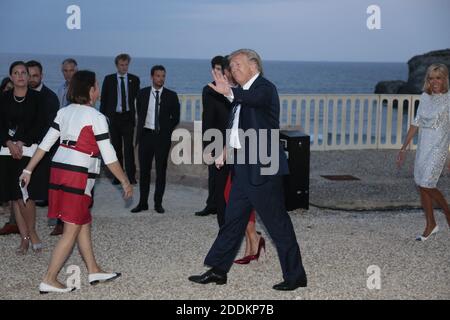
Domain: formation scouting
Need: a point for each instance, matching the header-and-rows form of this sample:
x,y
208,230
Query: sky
x,y
292,30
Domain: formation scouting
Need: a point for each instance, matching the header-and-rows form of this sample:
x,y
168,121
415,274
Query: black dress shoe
x,y
139,208
205,212
209,277
286,286
159,209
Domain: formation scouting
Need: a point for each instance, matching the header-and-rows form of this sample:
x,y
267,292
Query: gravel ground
x,y
156,254
381,186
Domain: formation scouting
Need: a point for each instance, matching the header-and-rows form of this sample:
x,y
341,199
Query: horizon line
x,y
171,58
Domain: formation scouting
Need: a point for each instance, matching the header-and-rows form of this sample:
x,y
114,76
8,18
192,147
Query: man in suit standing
x,y
68,68
158,113
215,113
117,101
51,106
256,106
50,99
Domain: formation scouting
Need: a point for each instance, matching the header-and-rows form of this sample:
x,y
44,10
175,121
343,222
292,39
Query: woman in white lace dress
x,y
433,124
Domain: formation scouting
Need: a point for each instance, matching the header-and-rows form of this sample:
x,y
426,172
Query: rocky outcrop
x,y
417,67
389,87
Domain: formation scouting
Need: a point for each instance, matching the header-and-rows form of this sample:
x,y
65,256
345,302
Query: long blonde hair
x,y
442,70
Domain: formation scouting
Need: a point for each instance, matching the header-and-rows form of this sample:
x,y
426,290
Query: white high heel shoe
x,y
46,288
37,247
95,278
422,238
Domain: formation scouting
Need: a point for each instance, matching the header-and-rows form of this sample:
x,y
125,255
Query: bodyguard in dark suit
x,y
118,96
158,113
49,98
50,106
216,110
256,106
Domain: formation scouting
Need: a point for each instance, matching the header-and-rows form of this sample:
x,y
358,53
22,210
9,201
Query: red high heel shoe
x,y
247,259
244,260
261,245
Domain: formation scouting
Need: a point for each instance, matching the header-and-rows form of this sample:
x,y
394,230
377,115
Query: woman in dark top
x,y
21,128
10,226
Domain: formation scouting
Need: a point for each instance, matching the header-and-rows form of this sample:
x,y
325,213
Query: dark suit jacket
x,y
260,109
169,112
108,100
216,112
51,105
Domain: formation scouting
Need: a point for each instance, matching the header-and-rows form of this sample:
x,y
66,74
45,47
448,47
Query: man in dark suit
x,y
216,109
118,96
51,106
216,112
50,99
256,106
158,113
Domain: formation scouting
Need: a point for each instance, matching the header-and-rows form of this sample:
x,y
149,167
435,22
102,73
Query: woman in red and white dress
x,y
83,133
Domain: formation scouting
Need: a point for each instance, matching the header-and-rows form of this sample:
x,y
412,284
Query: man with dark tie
x,y
158,113
255,107
117,103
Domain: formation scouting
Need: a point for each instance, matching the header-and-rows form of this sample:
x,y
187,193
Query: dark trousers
x,y
220,180
268,201
211,200
121,131
153,145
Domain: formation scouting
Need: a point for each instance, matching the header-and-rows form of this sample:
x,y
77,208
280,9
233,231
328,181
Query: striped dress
x,y
84,137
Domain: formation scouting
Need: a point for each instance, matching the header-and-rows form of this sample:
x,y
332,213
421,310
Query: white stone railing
x,y
337,122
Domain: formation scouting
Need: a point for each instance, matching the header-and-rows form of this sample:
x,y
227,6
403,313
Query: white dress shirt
x,y
62,94
234,135
39,87
150,118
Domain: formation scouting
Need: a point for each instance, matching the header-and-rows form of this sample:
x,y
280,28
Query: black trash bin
x,y
296,145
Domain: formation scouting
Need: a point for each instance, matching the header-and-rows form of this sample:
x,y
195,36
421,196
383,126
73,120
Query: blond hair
x,y
251,56
439,68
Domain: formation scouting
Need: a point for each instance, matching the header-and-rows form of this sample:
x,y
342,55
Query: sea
x,y
189,76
